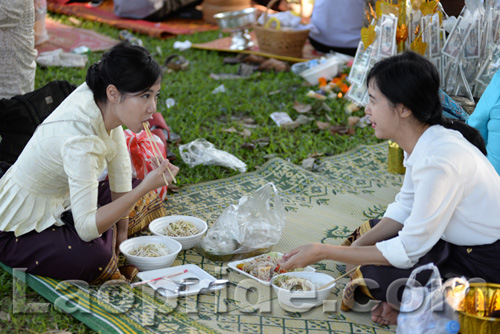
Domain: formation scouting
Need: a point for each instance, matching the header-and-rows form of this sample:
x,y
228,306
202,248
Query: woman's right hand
x,y
155,180
302,256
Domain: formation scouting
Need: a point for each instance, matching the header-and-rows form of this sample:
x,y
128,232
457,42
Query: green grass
x,y
200,114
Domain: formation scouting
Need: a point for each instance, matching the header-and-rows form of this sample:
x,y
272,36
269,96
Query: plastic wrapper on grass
x,y
256,222
202,152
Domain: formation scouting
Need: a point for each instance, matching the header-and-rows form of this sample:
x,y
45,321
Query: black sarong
x,y
452,260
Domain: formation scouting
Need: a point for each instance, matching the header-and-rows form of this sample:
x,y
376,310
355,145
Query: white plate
x,y
192,271
233,265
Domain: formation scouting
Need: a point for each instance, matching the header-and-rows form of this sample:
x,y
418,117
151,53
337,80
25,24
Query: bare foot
x,y
384,314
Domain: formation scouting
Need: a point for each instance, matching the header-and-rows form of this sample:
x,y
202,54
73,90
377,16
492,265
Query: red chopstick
x,y
133,285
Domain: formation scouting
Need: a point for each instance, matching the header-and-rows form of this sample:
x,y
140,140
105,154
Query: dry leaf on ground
x,y
230,130
274,64
308,163
301,108
245,133
248,146
248,120
341,130
173,188
301,120
353,120
315,155
322,125
4,316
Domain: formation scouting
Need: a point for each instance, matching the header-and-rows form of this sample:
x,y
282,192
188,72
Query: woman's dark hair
x,y
128,67
413,81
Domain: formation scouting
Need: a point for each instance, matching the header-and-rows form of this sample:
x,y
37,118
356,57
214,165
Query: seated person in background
x,y
486,118
280,5
447,210
17,41
156,10
339,24
57,219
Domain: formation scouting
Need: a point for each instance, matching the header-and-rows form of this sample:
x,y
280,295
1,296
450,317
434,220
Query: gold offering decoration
x,y
370,14
415,4
402,30
418,46
385,7
480,301
494,301
429,8
395,159
368,35
401,36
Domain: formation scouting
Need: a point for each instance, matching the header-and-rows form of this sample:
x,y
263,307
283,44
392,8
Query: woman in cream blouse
x,y
54,219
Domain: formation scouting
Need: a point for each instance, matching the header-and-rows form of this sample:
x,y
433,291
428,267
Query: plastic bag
x,y
203,152
430,308
256,222
142,156
287,20
60,58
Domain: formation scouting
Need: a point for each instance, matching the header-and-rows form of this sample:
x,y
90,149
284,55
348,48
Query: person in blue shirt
x,y
486,119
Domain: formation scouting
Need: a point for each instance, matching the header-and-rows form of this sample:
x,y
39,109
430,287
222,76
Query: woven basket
x,y
279,42
481,300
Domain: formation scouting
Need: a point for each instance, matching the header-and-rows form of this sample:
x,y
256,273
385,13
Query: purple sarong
x,y
58,251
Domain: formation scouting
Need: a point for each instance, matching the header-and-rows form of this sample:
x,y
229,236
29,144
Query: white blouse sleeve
x,y
83,163
401,208
120,168
437,192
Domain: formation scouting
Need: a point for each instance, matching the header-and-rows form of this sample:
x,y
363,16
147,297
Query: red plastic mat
x,y
104,14
65,37
224,45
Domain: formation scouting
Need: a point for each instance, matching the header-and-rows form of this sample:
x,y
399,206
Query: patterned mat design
x,y
324,205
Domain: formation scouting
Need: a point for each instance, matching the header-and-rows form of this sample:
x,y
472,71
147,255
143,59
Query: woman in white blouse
x,y
53,215
447,210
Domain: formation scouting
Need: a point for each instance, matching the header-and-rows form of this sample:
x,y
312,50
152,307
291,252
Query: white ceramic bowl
x,y
302,301
158,225
150,263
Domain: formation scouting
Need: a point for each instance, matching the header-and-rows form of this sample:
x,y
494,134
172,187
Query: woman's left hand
x,y
302,256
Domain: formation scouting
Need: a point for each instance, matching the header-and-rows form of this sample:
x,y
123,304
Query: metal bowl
x,y
237,19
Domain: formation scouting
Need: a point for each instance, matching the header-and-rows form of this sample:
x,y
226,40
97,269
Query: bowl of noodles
x,y
301,291
187,230
150,252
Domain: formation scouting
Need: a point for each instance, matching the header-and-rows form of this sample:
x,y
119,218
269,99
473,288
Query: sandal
x,y
175,63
